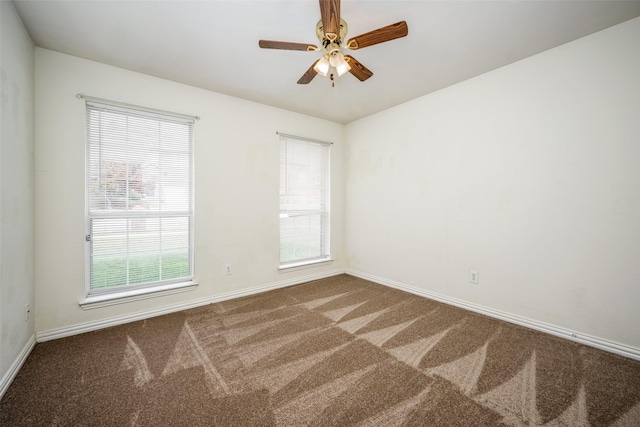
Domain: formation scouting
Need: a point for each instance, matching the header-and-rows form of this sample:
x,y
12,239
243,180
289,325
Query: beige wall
x,y
16,188
529,174
236,186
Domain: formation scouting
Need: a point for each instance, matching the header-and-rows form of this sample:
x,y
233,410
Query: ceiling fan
x,y
331,32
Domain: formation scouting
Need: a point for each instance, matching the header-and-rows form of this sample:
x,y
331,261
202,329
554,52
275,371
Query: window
x,y
304,201
139,199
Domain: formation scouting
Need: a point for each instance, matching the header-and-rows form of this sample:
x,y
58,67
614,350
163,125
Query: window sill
x,y
98,301
303,264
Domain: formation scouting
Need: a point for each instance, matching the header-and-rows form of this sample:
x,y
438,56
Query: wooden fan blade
x,y
308,75
381,35
270,44
330,12
361,72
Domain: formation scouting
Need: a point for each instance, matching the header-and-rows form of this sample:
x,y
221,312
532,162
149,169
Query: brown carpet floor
x,y
335,352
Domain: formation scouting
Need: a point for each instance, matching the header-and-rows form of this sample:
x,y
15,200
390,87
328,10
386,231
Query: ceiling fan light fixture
x,y
322,66
333,62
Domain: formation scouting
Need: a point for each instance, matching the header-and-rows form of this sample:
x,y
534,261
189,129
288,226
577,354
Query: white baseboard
x,y
7,379
630,352
119,320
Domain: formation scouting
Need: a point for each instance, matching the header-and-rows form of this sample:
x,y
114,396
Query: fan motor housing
x,y
324,41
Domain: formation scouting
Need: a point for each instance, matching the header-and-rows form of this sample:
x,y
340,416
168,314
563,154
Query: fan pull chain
x,y
333,83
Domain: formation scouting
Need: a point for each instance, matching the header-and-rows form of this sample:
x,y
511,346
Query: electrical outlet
x,y
27,310
473,276
227,269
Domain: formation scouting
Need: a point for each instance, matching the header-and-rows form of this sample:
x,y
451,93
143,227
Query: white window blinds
x,y
304,200
139,181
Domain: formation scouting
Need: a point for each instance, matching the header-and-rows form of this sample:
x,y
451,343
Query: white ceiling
x,y
214,44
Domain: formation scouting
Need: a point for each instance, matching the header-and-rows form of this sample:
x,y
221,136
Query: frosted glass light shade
x,y
322,66
343,68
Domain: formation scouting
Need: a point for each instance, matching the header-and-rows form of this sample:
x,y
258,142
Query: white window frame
x,y
320,210
130,292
